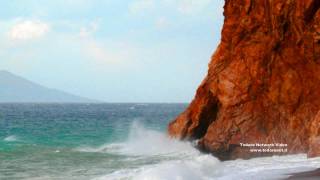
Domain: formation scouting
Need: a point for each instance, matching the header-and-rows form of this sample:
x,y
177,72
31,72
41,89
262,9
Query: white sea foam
x,y
145,142
132,108
206,167
11,138
183,162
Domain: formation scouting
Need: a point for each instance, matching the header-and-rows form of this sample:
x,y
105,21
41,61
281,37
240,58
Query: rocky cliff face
x,y
263,83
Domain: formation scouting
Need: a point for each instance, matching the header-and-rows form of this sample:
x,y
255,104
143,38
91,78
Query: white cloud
x,y
107,53
139,6
192,6
186,7
28,30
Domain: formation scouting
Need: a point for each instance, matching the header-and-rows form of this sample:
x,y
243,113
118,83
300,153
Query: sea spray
x,y
109,141
11,138
180,160
144,142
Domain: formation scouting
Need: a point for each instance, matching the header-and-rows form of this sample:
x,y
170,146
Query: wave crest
x,y
145,142
11,138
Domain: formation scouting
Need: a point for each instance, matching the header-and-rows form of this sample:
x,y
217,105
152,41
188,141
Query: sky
x,y
111,50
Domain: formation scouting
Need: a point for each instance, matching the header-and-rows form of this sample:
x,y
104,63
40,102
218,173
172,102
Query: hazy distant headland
x,y
16,89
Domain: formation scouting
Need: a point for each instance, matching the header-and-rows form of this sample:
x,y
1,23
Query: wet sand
x,y
308,175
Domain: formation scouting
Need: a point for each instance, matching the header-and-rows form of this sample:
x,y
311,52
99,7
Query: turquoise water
x,y
116,141
45,140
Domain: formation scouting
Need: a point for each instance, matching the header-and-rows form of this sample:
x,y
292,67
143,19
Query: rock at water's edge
x,y
263,82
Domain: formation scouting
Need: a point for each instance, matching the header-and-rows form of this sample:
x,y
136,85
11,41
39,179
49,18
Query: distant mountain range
x,y
17,89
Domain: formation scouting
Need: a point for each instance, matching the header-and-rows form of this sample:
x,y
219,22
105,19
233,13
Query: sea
x,y
117,141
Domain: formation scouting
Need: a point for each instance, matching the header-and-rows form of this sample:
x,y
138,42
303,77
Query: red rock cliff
x,y
263,82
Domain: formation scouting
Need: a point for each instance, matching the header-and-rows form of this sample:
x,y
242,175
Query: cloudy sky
x,y
111,50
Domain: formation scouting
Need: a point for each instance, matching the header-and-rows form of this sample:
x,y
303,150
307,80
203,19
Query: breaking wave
x,y
145,142
11,138
178,160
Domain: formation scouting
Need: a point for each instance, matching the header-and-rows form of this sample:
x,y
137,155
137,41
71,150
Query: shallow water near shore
x,y
116,141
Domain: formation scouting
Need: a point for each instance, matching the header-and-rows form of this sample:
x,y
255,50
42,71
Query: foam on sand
x,y
181,161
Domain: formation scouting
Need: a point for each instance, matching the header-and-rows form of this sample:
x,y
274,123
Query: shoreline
x,y
306,175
